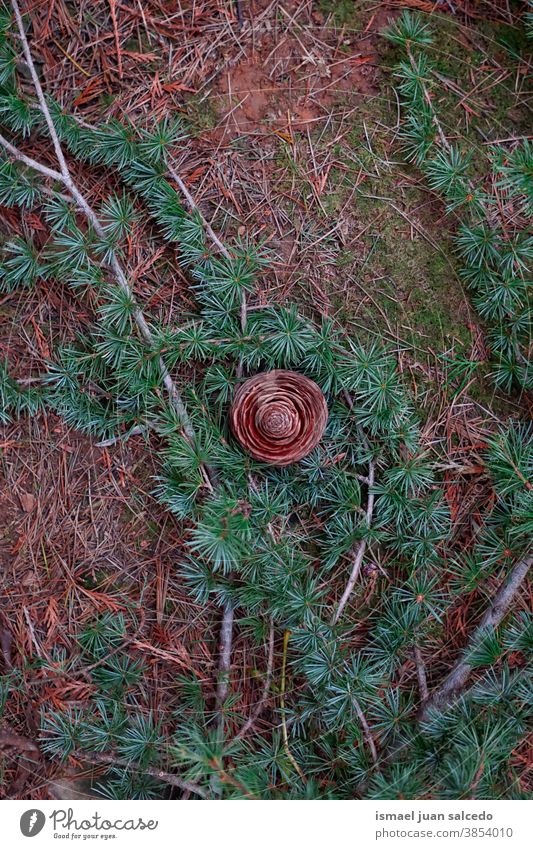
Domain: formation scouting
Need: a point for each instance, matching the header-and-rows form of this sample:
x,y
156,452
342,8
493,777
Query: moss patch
x,y
201,114
343,12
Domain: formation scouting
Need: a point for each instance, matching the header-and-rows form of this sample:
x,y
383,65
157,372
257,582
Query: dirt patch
x,y
291,83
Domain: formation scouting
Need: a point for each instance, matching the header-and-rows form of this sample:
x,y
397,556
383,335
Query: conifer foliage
x,y
343,568
491,195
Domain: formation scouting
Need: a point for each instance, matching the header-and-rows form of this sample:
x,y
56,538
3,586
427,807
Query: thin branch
x,y
367,734
167,777
421,673
361,548
31,163
224,663
66,178
453,684
38,90
360,553
113,440
294,762
195,208
238,13
16,741
214,238
6,639
266,688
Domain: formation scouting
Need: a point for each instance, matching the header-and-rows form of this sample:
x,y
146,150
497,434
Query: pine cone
x,y
278,416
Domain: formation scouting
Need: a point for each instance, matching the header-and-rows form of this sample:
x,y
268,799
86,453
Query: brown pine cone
x,y
278,416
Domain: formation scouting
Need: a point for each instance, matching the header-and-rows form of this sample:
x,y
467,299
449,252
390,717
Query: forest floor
x,y
293,122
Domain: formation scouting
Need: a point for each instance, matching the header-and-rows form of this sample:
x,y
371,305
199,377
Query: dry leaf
x,y
27,501
29,579
284,136
362,60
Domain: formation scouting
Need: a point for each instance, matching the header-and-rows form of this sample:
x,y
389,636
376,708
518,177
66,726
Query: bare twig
x,y
167,777
16,741
113,10
266,688
195,208
238,12
294,762
39,92
367,734
421,673
224,663
134,431
31,629
451,687
5,641
361,548
226,639
27,160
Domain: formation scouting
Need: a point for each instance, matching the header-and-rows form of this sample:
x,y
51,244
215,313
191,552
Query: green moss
x,y
400,277
343,12
428,299
495,109
201,114
345,258
404,280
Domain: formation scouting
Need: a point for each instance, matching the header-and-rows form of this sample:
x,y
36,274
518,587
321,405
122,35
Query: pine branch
x,y
195,208
214,238
118,272
456,680
66,178
226,632
444,141
360,553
